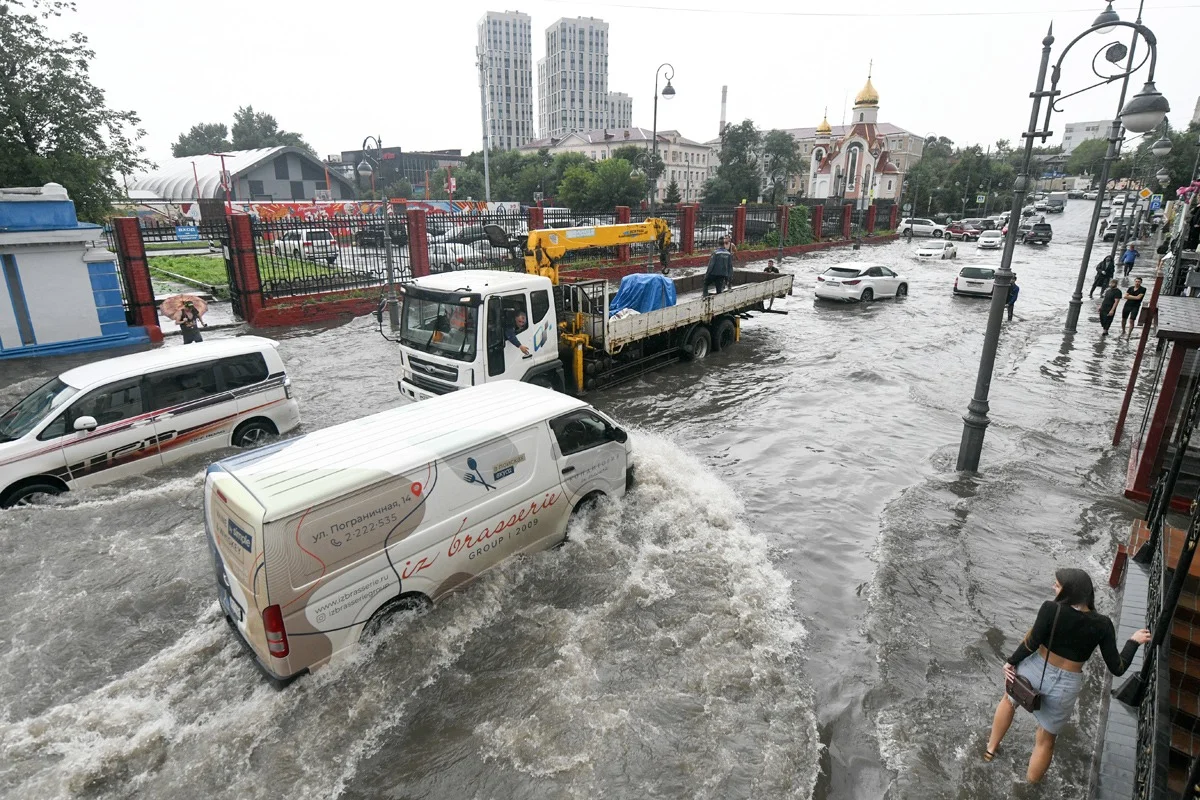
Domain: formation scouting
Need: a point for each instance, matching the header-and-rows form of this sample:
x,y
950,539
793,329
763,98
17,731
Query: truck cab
x,y
461,329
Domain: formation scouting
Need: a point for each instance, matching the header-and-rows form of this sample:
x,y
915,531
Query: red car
x,y
957,230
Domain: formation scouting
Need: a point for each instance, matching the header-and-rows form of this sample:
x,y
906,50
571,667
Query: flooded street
x,y
801,597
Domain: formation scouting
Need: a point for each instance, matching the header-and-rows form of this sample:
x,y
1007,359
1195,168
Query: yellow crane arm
x,y
545,247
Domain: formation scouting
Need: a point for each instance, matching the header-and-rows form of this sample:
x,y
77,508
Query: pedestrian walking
x,y
1104,274
191,319
720,268
1103,227
1051,657
1013,292
1108,305
1127,260
1133,302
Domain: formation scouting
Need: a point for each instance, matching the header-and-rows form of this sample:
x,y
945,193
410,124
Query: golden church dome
x,y
823,129
867,96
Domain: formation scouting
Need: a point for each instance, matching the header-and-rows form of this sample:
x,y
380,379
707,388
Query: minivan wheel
x,y
253,433
28,494
413,603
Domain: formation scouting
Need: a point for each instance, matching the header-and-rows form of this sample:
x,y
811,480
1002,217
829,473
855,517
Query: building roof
x,y
610,136
177,178
1179,318
824,128
135,364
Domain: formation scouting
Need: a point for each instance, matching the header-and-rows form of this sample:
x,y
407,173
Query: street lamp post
x,y
483,112
668,92
365,169
1142,113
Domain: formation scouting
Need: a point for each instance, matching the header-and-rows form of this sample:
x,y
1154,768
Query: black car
x,y
1038,233
373,233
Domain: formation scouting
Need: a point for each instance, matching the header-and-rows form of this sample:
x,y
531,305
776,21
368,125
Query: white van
x,y
127,415
318,539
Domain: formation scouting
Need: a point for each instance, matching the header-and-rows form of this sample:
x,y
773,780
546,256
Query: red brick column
x,y
818,217
847,218
687,229
418,243
537,220
245,265
623,219
131,255
871,212
739,225
894,217
783,215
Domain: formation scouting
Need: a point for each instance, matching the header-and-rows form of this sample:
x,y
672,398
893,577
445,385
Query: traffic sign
x,y
1156,202
980,199
1145,193
908,206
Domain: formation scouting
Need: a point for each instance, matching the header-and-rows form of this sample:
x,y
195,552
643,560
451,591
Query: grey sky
x,y
404,70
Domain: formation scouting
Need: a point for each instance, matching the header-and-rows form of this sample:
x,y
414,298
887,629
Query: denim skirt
x,y
1060,690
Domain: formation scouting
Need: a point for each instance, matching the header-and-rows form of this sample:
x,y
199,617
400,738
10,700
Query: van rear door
x,y
233,522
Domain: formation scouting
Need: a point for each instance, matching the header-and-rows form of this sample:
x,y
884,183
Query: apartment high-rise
x,y
505,49
573,81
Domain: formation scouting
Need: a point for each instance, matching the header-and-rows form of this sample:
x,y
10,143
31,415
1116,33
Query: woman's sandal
x,y
988,755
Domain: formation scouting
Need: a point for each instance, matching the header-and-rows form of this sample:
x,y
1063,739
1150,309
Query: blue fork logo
x,y
477,477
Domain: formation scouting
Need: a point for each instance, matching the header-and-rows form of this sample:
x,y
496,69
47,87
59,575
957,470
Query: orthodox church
x,y
859,162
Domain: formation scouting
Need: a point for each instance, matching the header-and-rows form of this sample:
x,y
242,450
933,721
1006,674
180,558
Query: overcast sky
x,y
404,70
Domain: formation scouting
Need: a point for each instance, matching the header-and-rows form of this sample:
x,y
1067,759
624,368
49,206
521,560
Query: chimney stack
x,y
724,96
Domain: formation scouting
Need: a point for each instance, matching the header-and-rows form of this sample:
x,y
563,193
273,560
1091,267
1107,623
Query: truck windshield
x,y
442,328
21,418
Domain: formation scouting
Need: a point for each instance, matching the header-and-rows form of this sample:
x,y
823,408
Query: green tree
x,y
673,195
55,125
781,160
575,190
1087,157
253,130
207,137
737,177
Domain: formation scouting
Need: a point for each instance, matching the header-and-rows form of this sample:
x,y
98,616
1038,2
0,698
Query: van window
x,y
244,370
111,403
178,386
540,304
579,431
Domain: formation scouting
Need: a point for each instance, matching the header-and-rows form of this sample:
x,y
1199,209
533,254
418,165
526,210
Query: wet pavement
x,y
800,598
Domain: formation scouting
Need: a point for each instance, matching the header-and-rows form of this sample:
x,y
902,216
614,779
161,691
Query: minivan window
x,y
244,370
112,403
178,386
319,236
21,418
579,431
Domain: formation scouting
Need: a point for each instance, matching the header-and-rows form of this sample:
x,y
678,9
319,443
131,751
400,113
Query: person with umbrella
x,y
188,312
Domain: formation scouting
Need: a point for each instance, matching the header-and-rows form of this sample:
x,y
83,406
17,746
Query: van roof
x,y
474,280
129,366
295,475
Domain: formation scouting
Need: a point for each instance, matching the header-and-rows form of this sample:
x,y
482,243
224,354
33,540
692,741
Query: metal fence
x,y
831,222
712,224
459,241
299,256
760,221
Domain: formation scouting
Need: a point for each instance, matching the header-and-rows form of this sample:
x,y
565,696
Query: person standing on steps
x,y
1013,292
1051,657
1133,302
1108,305
1104,273
1127,260
720,268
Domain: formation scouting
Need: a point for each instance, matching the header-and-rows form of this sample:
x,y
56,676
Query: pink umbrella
x,y
173,306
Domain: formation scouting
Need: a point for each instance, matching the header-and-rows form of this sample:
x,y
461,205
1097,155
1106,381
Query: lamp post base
x,y
1073,309
975,423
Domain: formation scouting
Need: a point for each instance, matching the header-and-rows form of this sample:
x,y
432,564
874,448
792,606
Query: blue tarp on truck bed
x,y
643,293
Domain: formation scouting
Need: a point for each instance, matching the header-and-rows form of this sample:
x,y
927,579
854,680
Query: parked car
x,y
1038,233
964,231
982,223
859,282
1028,211
307,244
450,256
712,234
1090,195
991,240
977,281
1105,211
460,234
1118,200
943,250
1121,231
124,416
373,234
920,227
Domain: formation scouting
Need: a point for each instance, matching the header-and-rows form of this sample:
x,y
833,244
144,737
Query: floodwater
x,y
801,598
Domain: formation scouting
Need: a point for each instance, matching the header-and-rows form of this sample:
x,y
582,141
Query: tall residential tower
x,y
505,51
573,81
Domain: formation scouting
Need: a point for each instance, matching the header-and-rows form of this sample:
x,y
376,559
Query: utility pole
x,y
483,113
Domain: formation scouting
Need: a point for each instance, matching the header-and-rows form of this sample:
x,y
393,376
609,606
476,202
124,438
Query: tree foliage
x,y
781,159
206,137
1142,165
949,180
252,130
1087,157
673,194
737,177
55,125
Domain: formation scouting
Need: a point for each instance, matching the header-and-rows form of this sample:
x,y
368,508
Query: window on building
x,y
256,188
298,190
310,171
281,168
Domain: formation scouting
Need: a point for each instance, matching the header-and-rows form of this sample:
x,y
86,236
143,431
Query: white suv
x,y
921,227
127,415
308,244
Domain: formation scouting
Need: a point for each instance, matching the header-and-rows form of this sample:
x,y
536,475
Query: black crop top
x,y
1076,637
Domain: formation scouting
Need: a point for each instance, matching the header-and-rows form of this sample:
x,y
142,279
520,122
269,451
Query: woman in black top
x,y
1077,631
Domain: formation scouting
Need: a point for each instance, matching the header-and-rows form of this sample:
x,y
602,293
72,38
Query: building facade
x,y
685,161
505,53
1076,133
573,81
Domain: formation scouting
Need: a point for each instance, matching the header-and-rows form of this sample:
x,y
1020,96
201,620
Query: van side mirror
x,y
85,424
618,435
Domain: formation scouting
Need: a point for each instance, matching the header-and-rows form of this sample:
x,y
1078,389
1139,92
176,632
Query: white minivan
x,y
317,540
127,415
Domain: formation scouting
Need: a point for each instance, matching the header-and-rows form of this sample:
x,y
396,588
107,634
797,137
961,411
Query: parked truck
x,y
1056,202
460,329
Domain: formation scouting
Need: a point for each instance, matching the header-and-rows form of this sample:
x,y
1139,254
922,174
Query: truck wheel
x,y
723,334
698,344
547,381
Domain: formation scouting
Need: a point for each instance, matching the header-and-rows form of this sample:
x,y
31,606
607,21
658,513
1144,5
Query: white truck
x,y
1056,202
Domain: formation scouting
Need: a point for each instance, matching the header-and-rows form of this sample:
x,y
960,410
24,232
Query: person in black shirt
x,y
1133,302
1104,273
1064,636
1108,305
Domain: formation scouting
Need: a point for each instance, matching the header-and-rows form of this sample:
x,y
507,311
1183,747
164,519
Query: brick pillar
x,y
687,229
131,254
847,219
818,216
623,219
418,243
872,210
739,225
783,215
537,220
894,217
245,265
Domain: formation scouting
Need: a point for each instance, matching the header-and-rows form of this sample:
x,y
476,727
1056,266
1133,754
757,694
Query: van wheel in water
x,y
253,433
586,504
723,334
414,603
698,344
29,494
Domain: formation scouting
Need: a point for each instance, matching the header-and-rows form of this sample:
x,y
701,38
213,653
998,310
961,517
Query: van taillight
x,y
287,388
277,641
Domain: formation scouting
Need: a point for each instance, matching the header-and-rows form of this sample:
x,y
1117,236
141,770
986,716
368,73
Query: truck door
x,y
508,321
592,454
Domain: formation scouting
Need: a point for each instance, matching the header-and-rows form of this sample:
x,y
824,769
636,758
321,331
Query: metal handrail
x,y
1153,748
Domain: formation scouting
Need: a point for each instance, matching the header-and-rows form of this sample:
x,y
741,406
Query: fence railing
x,y
760,221
1154,713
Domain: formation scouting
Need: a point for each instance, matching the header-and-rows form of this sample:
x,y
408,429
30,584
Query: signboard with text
x,y
187,233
